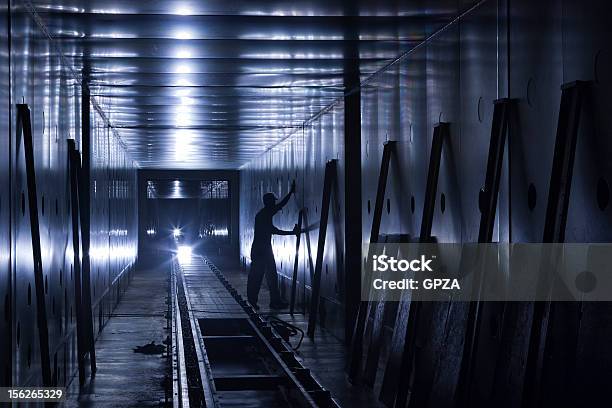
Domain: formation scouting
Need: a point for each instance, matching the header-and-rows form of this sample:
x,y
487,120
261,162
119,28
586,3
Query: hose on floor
x,y
286,330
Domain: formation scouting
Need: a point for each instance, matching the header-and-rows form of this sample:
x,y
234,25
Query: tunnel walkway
x,y
131,372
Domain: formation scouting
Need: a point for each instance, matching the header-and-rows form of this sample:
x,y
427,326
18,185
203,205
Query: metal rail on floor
x,y
180,391
310,389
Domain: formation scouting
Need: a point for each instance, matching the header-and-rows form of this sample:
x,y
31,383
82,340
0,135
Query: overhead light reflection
x,y
184,10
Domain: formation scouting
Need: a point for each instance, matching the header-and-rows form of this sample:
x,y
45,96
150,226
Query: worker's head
x,y
269,200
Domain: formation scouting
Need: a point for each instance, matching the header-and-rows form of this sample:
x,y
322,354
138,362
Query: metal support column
x,y
503,112
365,308
84,212
73,166
330,176
24,129
539,354
296,262
400,370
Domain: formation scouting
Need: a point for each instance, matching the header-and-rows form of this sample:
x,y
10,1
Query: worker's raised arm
x,y
285,199
277,231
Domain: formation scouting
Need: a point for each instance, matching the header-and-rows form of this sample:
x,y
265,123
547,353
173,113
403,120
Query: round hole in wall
x,y
412,204
442,203
7,310
532,197
410,132
29,294
531,92
369,207
479,109
603,194
596,63
585,281
388,206
55,371
481,200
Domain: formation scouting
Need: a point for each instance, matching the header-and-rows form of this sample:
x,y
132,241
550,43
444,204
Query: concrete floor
x,y
124,377
129,379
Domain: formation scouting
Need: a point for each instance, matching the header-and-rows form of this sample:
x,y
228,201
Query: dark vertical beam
x,y
353,209
296,262
400,370
84,177
539,350
24,128
74,211
330,176
366,307
502,113
352,170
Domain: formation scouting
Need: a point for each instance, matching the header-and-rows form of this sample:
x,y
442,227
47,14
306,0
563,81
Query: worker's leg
x,y
272,279
256,274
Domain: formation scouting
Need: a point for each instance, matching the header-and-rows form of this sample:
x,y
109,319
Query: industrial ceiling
x,y
212,84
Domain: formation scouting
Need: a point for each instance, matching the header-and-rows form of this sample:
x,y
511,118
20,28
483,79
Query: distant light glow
x,y
184,255
221,232
151,232
176,232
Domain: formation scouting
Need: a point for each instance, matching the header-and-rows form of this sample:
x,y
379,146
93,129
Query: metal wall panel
x,y
508,48
41,78
5,241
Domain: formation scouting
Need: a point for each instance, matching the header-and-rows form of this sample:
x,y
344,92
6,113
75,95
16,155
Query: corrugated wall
x,y
41,78
508,48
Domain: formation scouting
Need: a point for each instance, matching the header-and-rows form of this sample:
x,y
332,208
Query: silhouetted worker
x,y
262,257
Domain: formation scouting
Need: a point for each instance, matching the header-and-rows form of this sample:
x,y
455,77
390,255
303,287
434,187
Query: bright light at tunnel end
x,y
184,255
176,232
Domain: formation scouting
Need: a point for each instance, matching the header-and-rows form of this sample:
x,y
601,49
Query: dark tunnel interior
x,y
305,203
